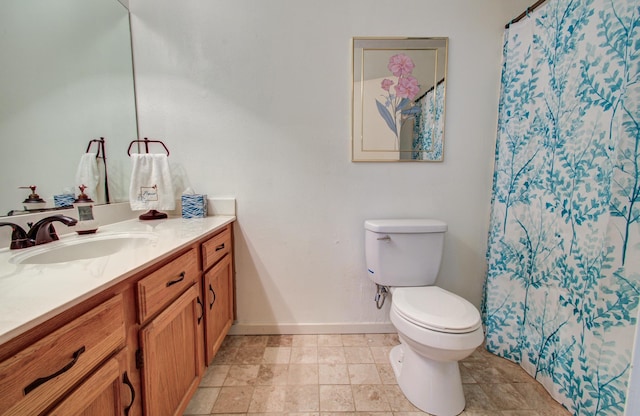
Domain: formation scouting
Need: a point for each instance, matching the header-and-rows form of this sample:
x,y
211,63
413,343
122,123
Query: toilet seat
x,y
436,309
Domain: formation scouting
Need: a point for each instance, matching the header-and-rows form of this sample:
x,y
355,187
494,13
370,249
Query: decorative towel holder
x,y
146,145
100,144
151,214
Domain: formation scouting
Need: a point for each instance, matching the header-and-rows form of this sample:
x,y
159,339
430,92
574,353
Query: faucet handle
x,y
19,238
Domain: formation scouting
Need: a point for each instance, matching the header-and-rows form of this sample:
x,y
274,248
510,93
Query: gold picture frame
x,y
398,99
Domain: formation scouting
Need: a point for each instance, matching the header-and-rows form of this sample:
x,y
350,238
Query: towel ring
x,y
100,144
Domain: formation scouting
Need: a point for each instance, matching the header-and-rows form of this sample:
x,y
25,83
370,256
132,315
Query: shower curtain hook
x,y
527,12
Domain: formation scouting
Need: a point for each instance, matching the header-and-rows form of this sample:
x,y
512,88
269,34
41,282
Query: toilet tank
x,y
404,252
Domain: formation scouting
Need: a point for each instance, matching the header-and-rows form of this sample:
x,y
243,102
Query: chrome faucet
x,y
41,232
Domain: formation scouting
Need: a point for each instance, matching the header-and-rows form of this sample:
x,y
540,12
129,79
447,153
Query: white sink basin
x,y
81,248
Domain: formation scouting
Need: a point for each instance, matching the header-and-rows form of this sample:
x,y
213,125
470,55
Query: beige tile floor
x,y
328,375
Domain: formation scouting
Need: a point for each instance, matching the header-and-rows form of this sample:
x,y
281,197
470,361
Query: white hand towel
x,y
151,184
88,174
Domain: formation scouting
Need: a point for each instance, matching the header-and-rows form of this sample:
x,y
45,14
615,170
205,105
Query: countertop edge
x,y
164,254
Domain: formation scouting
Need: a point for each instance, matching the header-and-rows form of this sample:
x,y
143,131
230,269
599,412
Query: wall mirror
x,y
398,109
66,78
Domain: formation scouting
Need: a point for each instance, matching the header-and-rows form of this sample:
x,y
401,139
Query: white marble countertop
x,y
32,293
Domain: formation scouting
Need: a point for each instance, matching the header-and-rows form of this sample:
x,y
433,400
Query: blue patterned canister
x,y
64,200
194,206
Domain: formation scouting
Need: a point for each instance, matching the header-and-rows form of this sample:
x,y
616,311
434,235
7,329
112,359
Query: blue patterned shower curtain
x,y
563,281
428,129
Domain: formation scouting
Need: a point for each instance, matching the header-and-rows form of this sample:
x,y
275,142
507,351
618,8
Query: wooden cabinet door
x,y
106,392
218,289
171,356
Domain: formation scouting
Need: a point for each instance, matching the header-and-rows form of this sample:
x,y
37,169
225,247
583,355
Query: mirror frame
x,y
398,111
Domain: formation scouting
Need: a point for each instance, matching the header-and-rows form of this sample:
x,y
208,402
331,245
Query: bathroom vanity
x,y
125,333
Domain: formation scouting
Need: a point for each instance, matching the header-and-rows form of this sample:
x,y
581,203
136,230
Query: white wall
x,y
253,99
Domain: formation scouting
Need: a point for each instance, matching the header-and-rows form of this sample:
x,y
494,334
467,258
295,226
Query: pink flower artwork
x,y
386,84
407,87
400,64
399,107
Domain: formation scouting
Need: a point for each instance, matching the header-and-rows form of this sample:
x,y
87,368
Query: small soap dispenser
x,y
86,223
33,201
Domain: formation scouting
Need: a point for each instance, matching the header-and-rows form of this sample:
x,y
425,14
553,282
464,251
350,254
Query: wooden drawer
x,y
159,288
102,393
216,247
36,377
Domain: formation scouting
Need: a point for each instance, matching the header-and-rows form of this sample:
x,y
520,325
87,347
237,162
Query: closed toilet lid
x,y
434,308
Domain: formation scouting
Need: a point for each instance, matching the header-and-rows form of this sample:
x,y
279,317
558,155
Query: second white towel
x,y
151,184
88,174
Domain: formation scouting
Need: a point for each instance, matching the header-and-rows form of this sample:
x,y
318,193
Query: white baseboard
x,y
301,329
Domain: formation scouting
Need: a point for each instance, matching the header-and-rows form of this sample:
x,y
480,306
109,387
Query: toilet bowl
x,y
436,328
435,334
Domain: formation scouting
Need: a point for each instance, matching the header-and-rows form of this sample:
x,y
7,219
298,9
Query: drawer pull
x,y
40,381
220,247
201,308
125,380
178,280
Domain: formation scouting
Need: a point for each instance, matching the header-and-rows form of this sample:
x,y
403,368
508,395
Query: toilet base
x,y
432,386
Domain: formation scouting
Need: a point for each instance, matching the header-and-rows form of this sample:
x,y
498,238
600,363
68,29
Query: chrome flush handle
x,y
385,238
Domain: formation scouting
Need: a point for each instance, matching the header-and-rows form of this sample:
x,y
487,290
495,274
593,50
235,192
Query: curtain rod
x,y
428,91
525,13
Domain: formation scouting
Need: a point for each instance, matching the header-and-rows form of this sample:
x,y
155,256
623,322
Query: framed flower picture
x,y
398,109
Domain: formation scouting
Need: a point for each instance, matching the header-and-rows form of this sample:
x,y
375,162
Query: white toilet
x,y
436,328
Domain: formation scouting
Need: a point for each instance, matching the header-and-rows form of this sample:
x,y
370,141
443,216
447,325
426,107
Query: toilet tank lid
x,y
406,226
